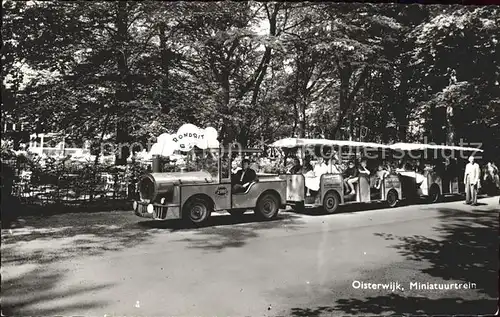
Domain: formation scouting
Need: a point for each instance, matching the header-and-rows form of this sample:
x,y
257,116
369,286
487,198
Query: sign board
x,y
185,139
331,180
221,191
392,181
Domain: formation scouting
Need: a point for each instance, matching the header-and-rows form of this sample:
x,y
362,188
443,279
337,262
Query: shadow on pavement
x,y
467,251
219,233
216,220
58,237
359,207
39,288
52,244
342,209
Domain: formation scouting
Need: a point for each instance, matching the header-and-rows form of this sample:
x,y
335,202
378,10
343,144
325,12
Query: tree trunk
x,y
403,131
101,139
229,135
296,106
302,119
351,127
260,74
243,136
450,129
438,119
346,97
342,107
385,130
165,64
301,93
295,117
124,92
401,107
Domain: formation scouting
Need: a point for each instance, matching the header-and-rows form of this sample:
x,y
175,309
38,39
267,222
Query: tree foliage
x,y
253,70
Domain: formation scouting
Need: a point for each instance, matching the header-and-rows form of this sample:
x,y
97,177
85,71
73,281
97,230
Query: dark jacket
x,y
296,169
351,172
307,167
249,177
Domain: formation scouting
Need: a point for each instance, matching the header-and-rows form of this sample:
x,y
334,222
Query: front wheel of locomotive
x,y
197,210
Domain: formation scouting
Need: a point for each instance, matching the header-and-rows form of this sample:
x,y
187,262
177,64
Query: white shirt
x,y
334,169
473,172
320,169
312,180
419,178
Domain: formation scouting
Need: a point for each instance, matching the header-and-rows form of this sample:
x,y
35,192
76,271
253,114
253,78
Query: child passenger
x,y
351,177
363,168
381,173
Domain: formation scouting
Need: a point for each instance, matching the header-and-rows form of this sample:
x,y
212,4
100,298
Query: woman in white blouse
x,y
312,178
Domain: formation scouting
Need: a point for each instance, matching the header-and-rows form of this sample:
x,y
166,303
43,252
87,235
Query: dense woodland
x,y
254,70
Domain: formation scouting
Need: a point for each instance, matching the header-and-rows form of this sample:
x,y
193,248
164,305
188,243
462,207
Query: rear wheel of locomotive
x,y
267,206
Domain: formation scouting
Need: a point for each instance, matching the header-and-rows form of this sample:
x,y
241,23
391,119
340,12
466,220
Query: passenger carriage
x,y
443,172
331,192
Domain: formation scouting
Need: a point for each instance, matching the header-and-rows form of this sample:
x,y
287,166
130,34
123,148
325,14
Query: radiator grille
x,y
160,212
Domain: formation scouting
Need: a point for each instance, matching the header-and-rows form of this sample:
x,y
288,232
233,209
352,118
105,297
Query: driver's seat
x,y
248,189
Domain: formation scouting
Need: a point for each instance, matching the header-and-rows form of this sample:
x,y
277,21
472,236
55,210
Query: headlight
x,y
162,201
134,205
150,209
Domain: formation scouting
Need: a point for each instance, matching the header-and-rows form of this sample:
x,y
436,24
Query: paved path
x,y
115,264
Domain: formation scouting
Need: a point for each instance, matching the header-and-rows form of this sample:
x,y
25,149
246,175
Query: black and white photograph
x,y
224,158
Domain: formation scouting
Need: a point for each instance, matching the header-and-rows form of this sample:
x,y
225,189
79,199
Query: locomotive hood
x,y
152,184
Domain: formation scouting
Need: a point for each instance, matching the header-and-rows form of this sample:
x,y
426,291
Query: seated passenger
x,y
491,173
235,167
296,168
321,167
335,168
351,177
253,162
307,165
313,178
363,169
419,174
391,168
244,177
406,170
400,167
254,166
380,175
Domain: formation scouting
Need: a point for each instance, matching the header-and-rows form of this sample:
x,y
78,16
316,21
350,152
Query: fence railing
x,y
71,189
71,185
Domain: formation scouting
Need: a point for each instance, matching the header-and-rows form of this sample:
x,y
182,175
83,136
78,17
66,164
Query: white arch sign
x,y
185,139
